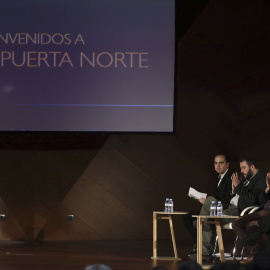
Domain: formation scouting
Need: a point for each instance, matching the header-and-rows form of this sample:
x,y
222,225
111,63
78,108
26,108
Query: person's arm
x,y
267,183
265,194
202,200
235,182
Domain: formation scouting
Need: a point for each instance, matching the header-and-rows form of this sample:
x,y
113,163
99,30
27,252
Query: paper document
x,y
193,193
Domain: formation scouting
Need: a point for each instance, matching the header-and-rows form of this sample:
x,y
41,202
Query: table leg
x,y
199,240
220,242
154,235
173,238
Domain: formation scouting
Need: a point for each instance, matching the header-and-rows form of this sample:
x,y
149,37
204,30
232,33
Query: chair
x,y
228,226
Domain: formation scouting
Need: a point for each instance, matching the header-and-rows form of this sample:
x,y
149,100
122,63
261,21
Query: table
x,y
216,221
164,215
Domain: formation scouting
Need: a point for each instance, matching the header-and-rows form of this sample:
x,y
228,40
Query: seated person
x,y
248,224
223,194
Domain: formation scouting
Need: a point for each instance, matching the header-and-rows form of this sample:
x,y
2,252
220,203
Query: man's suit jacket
x,y
224,190
248,195
263,199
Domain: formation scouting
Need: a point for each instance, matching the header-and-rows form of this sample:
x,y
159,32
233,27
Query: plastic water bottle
x,y
171,206
213,209
219,209
166,209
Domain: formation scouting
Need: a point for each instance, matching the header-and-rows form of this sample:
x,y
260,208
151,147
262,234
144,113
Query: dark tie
x,y
218,180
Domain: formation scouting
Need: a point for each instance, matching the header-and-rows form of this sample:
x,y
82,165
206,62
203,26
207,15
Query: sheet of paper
x,y
193,193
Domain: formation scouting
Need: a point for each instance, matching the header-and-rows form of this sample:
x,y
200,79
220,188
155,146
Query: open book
x,y
193,193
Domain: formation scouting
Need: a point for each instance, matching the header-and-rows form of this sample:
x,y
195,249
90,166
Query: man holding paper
x,y
223,194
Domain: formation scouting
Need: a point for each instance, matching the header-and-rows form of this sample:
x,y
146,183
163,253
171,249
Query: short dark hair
x,y
222,154
190,266
98,267
250,161
159,268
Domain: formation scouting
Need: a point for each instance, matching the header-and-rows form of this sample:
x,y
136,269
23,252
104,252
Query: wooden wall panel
x,y
128,179
10,229
114,204
58,228
34,183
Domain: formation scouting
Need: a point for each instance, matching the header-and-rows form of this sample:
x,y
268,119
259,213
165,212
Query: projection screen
x,y
87,65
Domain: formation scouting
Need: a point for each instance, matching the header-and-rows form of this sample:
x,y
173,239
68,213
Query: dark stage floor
x,y
119,255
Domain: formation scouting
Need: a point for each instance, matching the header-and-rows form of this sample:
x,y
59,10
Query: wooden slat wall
x,y
113,183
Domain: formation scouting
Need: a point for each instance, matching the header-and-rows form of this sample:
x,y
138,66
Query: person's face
x,y
246,170
220,164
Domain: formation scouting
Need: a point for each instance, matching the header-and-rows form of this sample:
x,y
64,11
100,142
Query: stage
x,y
76,255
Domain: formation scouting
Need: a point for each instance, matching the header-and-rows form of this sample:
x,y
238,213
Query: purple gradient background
x,y
68,99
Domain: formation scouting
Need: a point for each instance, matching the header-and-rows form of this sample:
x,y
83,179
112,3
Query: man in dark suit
x,y
250,187
246,194
223,194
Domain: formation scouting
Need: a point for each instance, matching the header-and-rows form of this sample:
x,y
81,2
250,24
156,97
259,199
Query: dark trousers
x,y
188,222
249,224
267,249
265,226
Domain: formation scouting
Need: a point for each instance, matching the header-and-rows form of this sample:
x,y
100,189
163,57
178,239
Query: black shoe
x,y
249,260
192,253
194,250
246,242
204,257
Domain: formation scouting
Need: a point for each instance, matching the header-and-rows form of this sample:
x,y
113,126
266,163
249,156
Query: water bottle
x,y
166,205
213,209
170,206
219,209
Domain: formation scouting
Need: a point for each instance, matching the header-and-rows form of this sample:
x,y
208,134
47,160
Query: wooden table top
x,y
168,213
224,216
